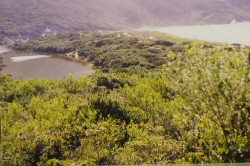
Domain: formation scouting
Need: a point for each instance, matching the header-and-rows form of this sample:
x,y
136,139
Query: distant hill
x,y
34,17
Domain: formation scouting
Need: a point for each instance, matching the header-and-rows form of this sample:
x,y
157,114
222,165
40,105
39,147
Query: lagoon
x,y
223,33
22,65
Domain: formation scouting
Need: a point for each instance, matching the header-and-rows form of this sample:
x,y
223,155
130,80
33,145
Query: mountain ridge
x,y
33,17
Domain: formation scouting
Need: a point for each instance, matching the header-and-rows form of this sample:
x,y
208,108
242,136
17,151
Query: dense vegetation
x,y
108,51
193,106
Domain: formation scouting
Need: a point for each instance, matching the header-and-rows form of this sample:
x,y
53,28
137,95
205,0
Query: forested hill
x,y
33,17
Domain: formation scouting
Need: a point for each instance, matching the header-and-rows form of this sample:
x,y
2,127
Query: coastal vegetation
x,y
108,51
150,101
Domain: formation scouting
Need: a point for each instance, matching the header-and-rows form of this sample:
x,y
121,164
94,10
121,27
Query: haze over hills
x,y
33,17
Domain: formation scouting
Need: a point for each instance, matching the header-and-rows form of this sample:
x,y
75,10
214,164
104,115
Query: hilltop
x,y
30,18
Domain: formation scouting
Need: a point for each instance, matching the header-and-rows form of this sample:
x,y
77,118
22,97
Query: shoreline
x,y
80,60
24,56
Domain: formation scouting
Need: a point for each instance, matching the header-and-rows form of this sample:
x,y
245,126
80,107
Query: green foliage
x,y
112,51
193,109
214,86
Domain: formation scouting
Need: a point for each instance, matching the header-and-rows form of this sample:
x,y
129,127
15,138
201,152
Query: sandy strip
x,y
26,58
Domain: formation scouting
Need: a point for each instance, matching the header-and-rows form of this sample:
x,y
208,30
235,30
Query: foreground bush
x,y
194,109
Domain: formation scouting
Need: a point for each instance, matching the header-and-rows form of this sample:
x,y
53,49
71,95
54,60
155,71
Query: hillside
x,y
33,17
158,103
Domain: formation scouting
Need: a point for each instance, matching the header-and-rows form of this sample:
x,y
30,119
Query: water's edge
x,y
27,65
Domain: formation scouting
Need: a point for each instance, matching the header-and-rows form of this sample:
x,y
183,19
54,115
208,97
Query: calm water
x,y
25,66
225,33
